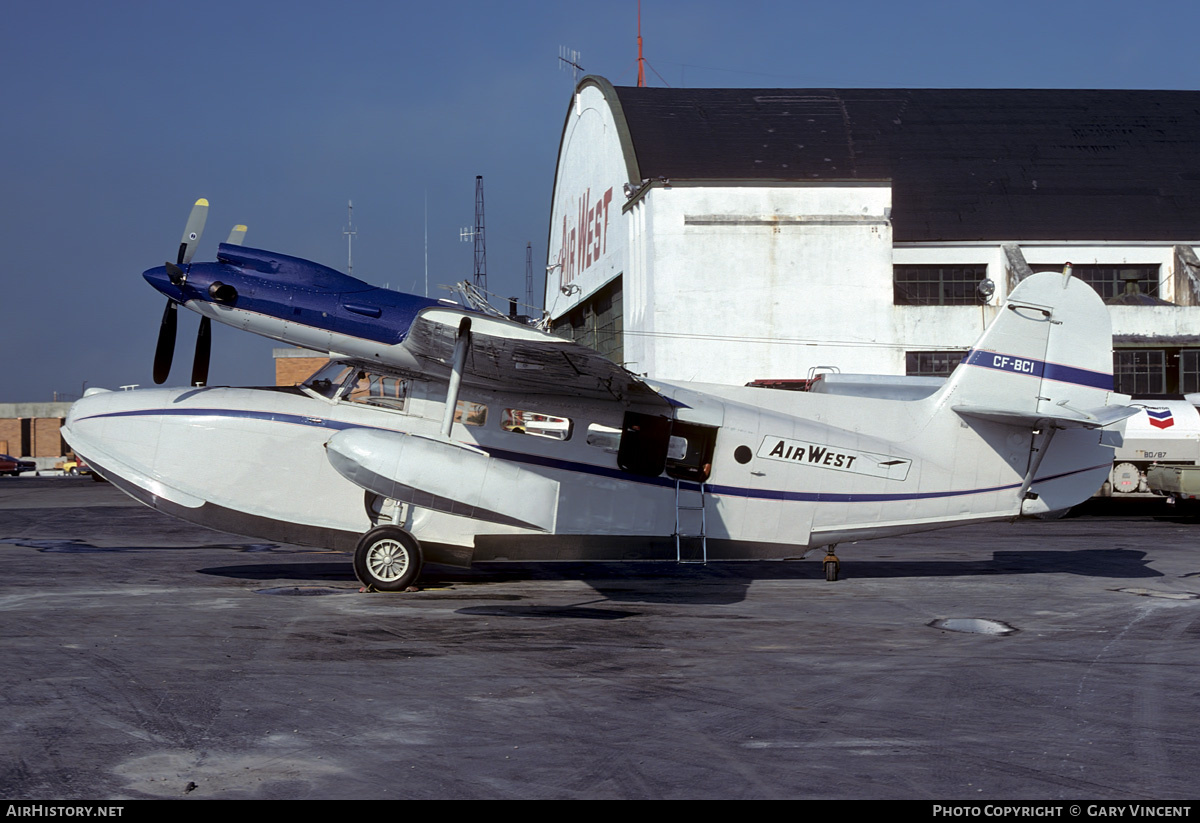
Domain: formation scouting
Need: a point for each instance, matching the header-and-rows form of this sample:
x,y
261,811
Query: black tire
x,y
73,472
831,571
387,559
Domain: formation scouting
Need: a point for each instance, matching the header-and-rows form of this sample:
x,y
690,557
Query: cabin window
x,y
382,390
938,285
470,414
690,451
604,437
538,424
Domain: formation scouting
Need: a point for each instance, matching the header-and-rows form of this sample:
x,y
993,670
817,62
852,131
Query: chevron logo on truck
x,y
1160,418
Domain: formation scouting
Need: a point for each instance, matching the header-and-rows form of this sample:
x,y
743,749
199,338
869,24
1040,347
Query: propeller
x,y
203,350
164,351
204,335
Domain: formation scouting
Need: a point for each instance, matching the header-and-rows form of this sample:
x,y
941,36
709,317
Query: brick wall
x,y
292,370
10,436
46,441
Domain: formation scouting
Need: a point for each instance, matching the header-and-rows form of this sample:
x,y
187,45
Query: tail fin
x,y
1046,357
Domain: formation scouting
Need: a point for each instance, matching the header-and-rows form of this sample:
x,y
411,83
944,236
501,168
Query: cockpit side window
x,y
329,379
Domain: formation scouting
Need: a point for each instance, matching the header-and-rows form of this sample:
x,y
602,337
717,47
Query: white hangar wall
x,y
587,243
736,283
719,282
728,281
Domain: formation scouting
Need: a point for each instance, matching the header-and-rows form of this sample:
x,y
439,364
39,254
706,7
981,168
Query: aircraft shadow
x,y
717,583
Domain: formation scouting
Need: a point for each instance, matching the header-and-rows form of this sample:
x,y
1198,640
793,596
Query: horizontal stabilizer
x,y
444,476
1095,418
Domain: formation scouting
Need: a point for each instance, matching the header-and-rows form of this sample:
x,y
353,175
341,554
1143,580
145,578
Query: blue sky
x,y
118,115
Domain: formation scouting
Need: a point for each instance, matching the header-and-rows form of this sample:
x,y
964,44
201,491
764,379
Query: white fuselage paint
x,y
262,453
787,470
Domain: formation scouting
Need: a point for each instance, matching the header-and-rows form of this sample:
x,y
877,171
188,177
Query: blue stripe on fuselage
x,y
588,468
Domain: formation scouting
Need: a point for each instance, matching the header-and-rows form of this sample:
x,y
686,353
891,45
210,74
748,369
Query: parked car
x,y
14,466
75,466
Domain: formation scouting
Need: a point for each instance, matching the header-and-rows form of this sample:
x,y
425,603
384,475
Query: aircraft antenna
x,y
349,233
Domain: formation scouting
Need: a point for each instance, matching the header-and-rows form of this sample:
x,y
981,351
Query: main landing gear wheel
x,y
387,559
832,565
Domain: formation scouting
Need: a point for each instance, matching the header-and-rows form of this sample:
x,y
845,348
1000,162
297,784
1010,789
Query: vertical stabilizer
x,y
1043,369
1047,355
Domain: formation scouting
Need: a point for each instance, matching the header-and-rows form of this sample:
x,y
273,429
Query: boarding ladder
x,y
698,497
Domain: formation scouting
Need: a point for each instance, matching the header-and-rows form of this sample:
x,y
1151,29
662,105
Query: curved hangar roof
x,y
965,164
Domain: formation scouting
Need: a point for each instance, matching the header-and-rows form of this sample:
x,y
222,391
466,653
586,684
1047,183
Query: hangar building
x,y
727,235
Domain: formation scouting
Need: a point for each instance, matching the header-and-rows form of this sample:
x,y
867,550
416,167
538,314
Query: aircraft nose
x,y
159,279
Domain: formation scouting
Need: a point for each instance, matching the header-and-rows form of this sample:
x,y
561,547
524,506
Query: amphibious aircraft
x,y
439,433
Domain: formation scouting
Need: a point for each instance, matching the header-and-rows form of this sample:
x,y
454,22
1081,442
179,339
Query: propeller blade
x,y
203,350
164,352
237,235
192,232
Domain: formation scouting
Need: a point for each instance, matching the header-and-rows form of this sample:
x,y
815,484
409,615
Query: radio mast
x,y
529,276
477,234
480,243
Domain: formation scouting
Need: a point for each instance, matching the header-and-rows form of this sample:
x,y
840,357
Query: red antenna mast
x,y
641,60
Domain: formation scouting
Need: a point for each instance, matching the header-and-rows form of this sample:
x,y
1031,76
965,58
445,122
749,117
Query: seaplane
x,y
442,433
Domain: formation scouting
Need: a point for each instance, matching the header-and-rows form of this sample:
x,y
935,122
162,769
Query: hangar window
x,y
938,285
1114,282
931,363
597,322
1140,372
1189,371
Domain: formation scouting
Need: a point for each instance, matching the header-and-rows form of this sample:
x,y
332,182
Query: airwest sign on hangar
x,y
733,234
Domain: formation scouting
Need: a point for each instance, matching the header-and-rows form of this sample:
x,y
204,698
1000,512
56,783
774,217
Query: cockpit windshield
x,y
329,380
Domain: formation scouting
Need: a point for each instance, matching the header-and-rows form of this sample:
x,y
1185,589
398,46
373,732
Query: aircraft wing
x,y
510,356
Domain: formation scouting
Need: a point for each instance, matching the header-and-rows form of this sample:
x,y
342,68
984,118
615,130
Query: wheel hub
x,y
388,560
